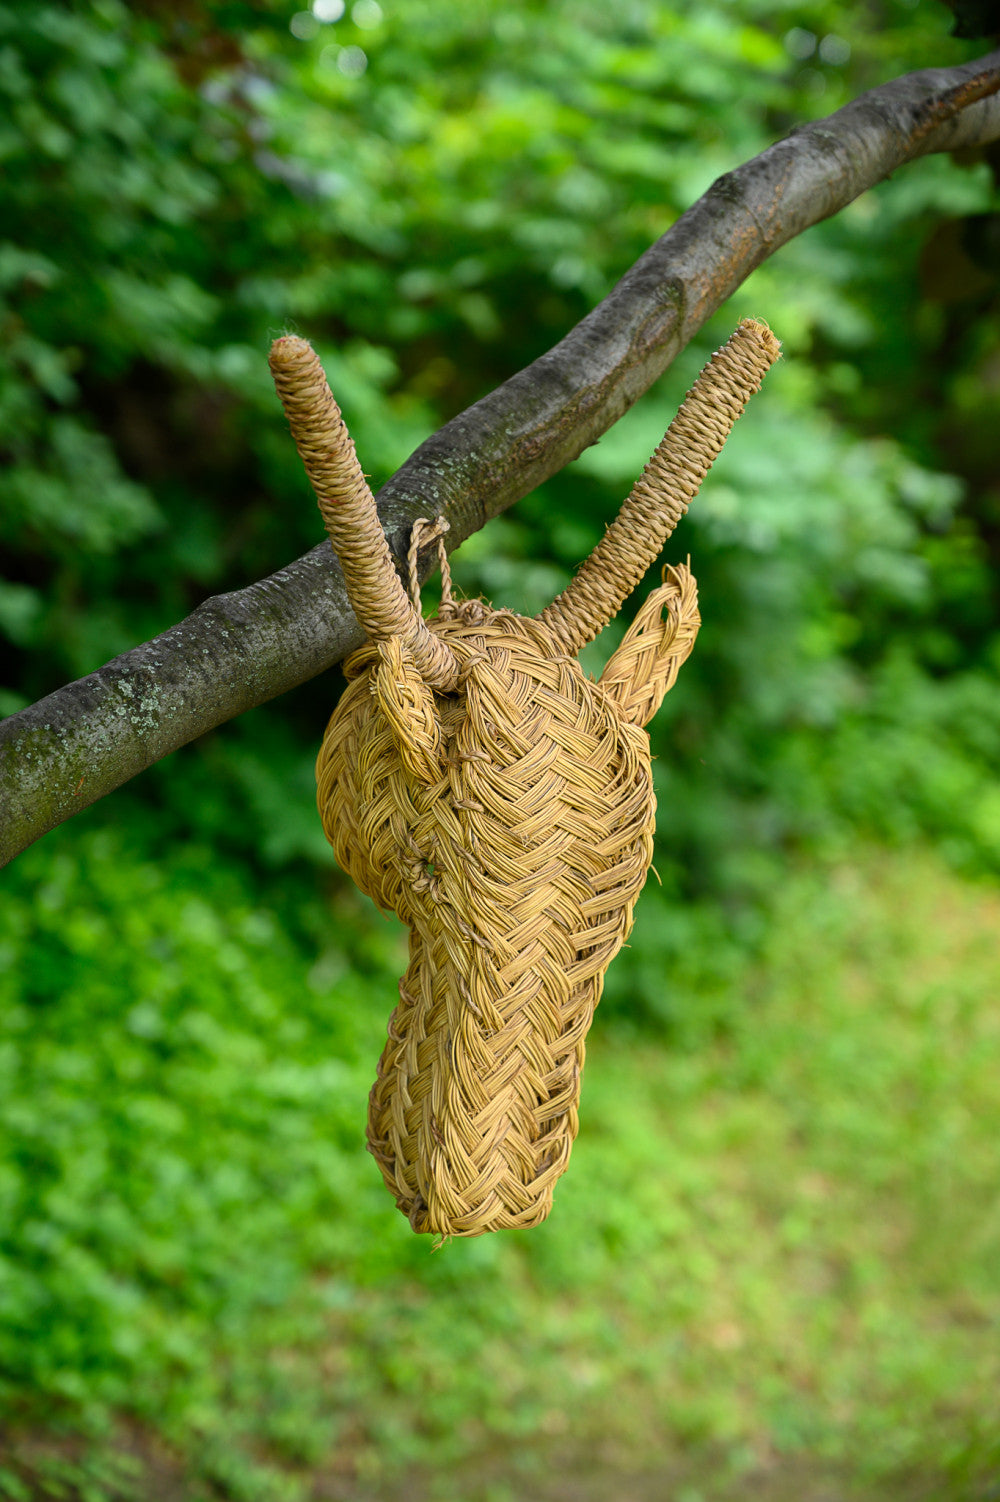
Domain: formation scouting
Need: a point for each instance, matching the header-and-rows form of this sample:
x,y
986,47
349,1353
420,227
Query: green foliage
x,y
780,1244
976,18
182,1129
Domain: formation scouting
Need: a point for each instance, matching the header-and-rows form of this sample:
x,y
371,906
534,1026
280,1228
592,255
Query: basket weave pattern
x,y
515,854
475,781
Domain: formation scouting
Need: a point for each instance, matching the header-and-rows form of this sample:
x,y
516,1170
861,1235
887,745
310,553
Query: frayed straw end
x,y
761,332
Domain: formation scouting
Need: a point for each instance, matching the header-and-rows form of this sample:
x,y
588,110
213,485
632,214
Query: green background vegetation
x,y
777,1250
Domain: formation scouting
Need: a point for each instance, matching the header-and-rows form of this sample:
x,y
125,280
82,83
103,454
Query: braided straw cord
x,y
654,650
517,869
666,487
348,510
423,532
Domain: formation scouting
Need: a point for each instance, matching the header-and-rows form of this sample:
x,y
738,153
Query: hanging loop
x,y
423,532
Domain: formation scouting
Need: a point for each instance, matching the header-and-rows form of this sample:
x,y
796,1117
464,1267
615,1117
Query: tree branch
x,y
241,649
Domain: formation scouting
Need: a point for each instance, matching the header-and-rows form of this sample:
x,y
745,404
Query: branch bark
x,y
240,649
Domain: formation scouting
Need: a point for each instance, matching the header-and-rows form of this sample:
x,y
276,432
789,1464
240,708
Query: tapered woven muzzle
x,y
515,851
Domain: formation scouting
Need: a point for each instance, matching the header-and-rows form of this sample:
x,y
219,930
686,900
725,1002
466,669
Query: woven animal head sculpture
x,y
474,780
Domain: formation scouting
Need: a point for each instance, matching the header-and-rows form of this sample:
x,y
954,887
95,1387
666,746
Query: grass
x,y
774,1263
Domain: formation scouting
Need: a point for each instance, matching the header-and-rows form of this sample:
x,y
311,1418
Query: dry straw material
x,y
474,780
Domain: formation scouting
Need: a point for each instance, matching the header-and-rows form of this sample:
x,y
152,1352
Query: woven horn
x,y
347,507
666,487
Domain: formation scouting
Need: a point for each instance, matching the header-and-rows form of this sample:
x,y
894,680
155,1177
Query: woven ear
x,y
408,705
658,642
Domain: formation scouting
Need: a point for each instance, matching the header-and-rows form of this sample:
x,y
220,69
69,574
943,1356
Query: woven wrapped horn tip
x,y
289,347
760,332
321,438
294,364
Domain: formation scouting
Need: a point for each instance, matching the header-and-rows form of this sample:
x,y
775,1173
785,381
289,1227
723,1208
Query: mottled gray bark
x,y
241,649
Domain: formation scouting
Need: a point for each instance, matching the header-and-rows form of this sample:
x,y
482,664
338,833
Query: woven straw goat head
x,y
474,780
